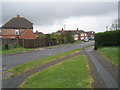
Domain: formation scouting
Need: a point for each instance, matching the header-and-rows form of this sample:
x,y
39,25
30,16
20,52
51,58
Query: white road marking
x,y
2,69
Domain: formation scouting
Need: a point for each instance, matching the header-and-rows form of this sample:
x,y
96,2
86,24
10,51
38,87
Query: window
x,y
82,34
76,35
17,32
82,38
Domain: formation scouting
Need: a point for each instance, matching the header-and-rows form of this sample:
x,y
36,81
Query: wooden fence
x,y
30,43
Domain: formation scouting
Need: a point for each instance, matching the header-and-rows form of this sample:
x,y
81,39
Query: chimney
x,y
36,32
18,15
62,31
77,29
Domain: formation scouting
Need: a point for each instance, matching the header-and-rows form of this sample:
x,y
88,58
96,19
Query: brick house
x,y
91,34
18,27
79,34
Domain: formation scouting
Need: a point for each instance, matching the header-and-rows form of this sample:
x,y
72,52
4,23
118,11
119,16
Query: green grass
x,y
33,64
72,73
90,45
13,51
111,53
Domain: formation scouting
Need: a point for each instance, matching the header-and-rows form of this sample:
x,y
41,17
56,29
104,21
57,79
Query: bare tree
x,y
115,24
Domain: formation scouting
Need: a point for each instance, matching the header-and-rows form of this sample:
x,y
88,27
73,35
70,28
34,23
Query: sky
x,y
50,17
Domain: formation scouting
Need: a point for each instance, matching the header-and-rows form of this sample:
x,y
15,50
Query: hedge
x,y
108,38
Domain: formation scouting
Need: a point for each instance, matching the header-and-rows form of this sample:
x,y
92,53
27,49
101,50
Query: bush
x,y
6,47
108,38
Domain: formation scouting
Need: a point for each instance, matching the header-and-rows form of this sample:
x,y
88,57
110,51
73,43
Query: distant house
x,y
18,27
83,35
90,34
79,34
38,33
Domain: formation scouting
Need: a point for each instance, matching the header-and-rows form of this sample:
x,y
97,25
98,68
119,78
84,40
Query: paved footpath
x,y
104,73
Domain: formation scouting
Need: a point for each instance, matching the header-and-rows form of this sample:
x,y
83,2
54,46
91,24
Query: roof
x,y
18,23
73,31
27,34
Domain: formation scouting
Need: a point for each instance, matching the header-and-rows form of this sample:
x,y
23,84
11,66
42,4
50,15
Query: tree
x,y
115,24
42,36
69,37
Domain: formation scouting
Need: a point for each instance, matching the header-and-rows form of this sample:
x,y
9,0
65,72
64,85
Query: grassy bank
x,y
33,64
13,51
72,73
111,53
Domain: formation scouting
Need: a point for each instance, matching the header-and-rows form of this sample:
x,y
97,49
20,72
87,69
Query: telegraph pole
x,y
106,28
116,26
64,27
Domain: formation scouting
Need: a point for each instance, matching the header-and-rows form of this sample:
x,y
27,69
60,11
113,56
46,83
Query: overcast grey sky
x,y
51,16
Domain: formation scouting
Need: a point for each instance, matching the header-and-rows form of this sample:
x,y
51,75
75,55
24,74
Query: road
x,y
10,61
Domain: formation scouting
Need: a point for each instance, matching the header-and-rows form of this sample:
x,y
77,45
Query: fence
x,y
30,43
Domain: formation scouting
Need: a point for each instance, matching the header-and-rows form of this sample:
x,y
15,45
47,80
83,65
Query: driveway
x,y
10,61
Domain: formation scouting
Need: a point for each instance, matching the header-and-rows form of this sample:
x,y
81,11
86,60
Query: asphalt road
x,y
10,61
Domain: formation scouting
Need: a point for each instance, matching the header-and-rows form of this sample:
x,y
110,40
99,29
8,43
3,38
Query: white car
x,y
86,40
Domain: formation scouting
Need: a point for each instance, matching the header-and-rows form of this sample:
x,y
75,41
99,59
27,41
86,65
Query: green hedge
x,y
108,38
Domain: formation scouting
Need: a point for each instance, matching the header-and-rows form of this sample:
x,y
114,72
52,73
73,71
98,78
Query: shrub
x,y
6,47
108,38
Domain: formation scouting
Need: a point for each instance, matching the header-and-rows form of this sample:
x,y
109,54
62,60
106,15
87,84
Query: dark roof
x,y
73,31
18,23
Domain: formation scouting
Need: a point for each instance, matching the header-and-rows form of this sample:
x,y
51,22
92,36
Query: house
x,y
90,34
38,34
77,34
83,35
18,27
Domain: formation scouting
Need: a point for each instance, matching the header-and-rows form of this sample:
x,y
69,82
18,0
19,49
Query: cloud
x,y
47,13
86,23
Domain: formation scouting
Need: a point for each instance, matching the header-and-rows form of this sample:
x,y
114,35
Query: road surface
x,y
10,61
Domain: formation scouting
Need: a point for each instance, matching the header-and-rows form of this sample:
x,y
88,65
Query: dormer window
x,y
17,32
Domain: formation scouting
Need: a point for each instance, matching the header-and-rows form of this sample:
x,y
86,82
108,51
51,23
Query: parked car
x,y
86,40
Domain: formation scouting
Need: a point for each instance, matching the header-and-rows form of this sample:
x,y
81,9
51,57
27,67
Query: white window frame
x,y
82,34
85,34
16,32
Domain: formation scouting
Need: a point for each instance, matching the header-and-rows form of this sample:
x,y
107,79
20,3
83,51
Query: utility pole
x,y
64,27
106,28
116,26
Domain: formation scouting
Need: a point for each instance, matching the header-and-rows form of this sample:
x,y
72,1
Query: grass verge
x,y
13,51
33,64
72,73
111,53
89,46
